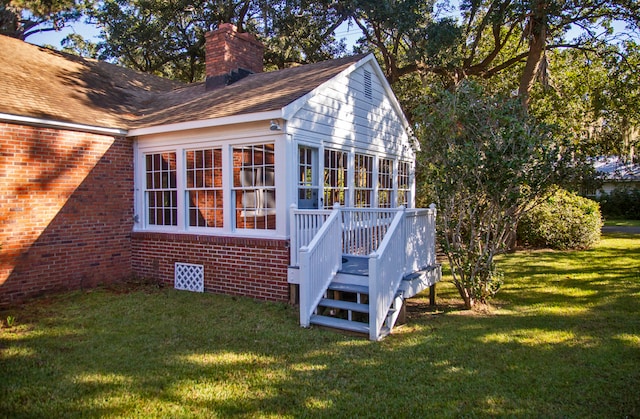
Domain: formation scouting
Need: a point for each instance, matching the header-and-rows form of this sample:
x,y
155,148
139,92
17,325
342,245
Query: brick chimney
x,y
231,55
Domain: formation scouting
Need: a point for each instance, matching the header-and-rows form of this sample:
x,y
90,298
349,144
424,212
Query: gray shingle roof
x,y
613,168
42,83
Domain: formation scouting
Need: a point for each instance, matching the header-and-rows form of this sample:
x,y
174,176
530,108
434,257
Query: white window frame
x,y
260,181
225,140
216,190
147,189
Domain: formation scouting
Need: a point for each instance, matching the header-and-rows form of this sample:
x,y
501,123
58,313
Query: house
x,y
293,185
614,174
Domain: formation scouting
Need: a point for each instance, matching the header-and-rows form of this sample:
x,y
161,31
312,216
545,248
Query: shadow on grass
x,y
572,351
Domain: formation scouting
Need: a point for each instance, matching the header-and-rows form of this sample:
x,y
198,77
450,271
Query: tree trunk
x,y
465,294
537,30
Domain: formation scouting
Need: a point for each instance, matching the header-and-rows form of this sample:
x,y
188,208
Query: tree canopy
x,y
167,38
23,18
485,162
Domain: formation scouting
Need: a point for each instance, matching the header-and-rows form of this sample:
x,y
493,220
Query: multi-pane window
x,y
335,178
385,183
363,180
254,187
161,192
404,186
204,187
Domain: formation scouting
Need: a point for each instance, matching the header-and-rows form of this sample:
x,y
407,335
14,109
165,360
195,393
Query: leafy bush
x,y
621,203
563,221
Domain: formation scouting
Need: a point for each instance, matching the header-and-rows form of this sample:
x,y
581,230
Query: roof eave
x,y
206,123
71,126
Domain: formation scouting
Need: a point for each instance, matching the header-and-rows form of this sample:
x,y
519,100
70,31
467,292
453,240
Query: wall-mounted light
x,y
274,126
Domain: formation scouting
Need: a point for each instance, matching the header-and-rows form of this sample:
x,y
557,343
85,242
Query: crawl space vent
x,y
189,277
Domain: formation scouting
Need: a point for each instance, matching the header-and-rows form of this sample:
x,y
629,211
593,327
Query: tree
x,y
167,37
23,18
485,162
490,37
594,97
75,44
163,38
508,46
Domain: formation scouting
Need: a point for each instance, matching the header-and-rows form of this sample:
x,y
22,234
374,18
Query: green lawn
x,y
562,340
622,223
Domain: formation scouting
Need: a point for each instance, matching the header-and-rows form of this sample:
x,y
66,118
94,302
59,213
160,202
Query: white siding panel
x,y
341,115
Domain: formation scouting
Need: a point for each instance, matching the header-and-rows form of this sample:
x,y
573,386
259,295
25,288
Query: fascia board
x,y
206,123
49,123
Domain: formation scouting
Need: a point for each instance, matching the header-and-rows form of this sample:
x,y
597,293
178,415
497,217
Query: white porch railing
x,y
386,269
304,225
319,263
397,241
364,229
420,233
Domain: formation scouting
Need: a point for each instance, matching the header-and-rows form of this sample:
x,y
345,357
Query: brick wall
x,y
228,50
66,207
255,268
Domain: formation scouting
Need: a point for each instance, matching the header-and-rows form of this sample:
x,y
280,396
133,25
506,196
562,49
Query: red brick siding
x,y
255,268
66,208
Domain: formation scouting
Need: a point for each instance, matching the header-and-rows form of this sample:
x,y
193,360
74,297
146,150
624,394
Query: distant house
x,y
614,174
295,185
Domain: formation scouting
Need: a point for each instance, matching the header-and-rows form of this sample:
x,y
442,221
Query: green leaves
x,y
485,162
22,18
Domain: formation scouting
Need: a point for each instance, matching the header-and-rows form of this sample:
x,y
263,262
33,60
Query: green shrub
x,y
621,203
564,221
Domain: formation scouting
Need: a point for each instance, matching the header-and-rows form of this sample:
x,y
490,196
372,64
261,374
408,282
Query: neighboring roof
x,y
613,168
42,83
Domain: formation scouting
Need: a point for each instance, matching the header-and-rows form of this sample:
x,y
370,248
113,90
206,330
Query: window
x,y
254,187
404,185
160,189
335,178
385,183
204,187
363,180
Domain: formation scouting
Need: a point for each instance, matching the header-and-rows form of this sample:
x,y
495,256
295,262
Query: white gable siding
x,y
358,114
341,115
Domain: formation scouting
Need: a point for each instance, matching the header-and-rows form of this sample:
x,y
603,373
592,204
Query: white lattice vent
x,y
189,277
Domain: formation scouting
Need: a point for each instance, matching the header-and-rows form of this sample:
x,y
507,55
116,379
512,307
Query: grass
x,y
622,223
562,340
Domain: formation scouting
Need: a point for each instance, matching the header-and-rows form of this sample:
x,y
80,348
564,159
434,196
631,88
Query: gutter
x,y
48,123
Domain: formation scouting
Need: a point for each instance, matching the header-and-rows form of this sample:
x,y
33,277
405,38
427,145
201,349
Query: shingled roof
x,y
41,83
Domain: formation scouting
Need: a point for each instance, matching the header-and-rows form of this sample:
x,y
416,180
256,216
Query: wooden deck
x,y
355,265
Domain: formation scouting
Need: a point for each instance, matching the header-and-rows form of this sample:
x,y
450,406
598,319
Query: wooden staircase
x,y
345,305
355,266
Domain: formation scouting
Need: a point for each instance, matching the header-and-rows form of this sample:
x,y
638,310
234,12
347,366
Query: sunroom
x,y
302,196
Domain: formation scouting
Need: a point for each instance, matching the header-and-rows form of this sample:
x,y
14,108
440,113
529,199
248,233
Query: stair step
x,y
360,289
344,305
342,324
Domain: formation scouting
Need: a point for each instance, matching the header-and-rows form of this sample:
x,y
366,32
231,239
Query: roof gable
x,y
366,60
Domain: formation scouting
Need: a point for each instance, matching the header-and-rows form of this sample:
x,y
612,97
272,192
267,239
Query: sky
x,y
350,33
54,38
